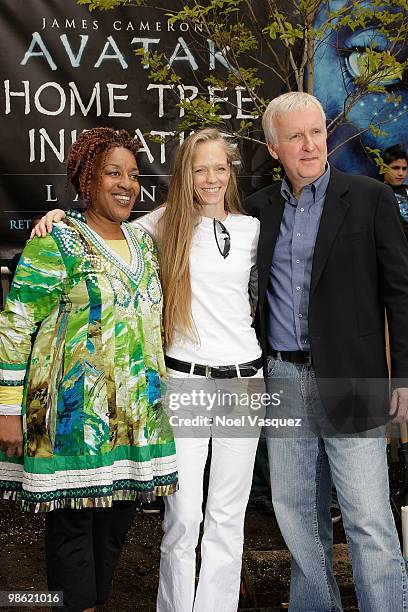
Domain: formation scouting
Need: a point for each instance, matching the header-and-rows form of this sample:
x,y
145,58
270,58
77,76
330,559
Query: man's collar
x,y
318,187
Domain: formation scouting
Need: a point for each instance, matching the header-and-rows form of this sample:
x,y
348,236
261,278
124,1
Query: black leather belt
x,y
229,371
302,357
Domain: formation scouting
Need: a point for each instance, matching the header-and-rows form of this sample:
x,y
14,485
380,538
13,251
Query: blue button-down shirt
x,y
289,278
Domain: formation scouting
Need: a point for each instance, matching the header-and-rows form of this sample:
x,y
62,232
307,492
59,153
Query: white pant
x,y
230,481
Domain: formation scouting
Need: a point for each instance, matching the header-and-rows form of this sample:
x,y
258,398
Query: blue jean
x,y
302,468
260,480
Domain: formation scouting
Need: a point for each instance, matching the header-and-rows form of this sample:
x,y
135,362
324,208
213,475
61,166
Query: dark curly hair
x,y
84,151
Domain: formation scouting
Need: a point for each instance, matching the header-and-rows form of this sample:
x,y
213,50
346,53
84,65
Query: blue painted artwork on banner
x,y
340,60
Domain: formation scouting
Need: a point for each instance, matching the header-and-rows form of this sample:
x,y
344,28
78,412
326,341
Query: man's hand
x,y
44,226
399,405
11,435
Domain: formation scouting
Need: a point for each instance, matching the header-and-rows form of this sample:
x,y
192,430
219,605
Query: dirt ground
x,y
266,566
265,569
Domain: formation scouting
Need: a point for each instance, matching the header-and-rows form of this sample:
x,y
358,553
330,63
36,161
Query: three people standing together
x,y
332,260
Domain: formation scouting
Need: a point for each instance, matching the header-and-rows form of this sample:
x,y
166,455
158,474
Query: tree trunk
x,y
310,44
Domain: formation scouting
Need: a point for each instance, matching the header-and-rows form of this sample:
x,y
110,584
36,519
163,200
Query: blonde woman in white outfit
x,y
207,252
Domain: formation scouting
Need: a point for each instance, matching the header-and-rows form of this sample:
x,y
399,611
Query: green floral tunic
x,y
94,427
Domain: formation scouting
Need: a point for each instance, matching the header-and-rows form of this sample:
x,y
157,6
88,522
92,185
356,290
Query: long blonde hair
x,y
177,225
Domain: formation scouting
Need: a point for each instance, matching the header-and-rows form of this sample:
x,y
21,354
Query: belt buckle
x,y
208,371
218,372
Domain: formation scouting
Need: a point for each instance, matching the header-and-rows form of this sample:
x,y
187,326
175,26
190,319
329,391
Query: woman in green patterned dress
x,y
82,430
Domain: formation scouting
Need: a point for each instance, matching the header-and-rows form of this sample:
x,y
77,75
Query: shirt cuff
x,y
11,395
10,410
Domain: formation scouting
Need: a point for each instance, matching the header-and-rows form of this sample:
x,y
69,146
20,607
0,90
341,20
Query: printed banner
x,y
64,69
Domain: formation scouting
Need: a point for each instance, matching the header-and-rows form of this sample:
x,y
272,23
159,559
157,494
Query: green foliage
x,y
105,5
196,13
159,69
376,130
284,30
249,76
375,155
277,39
277,174
199,113
236,36
377,69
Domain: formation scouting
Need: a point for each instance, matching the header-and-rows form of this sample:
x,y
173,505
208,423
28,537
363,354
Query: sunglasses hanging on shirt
x,y
222,238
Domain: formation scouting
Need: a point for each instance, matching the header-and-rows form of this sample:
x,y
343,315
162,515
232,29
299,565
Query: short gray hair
x,y
287,102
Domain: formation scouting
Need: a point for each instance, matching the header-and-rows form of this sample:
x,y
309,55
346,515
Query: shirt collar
x,y
318,187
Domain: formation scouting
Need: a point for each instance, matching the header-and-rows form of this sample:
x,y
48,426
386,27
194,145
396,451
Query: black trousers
x,y
82,549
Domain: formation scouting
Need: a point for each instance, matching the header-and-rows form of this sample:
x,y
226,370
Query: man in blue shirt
x,y
332,259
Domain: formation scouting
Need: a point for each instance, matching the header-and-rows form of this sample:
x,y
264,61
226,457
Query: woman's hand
x,y
11,435
44,226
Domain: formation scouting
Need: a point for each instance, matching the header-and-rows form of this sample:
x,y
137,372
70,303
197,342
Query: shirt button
x,y
297,288
298,234
302,210
298,261
300,315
